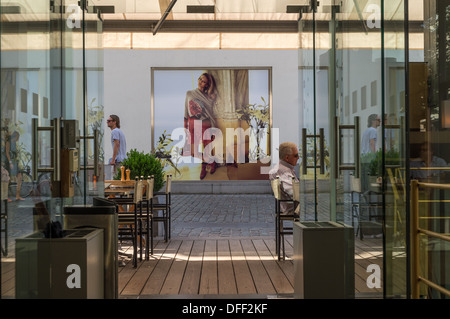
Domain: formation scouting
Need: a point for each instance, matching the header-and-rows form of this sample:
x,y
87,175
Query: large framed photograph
x,y
214,122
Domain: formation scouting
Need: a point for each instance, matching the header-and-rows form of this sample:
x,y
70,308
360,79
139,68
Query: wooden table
x,y
117,187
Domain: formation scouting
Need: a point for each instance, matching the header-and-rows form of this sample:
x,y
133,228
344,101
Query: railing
x,y
416,231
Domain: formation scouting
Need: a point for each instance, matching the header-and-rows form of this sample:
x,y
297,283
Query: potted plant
x,y
164,154
95,119
141,164
257,118
374,160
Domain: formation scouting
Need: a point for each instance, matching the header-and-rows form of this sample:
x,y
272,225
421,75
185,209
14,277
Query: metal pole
x,y
96,152
322,150
337,152
164,16
415,238
304,153
34,152
357,144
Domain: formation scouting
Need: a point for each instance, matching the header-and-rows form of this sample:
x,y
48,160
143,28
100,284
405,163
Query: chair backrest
x,y
150,185
296,190
355,184
138,185
275,183
169,184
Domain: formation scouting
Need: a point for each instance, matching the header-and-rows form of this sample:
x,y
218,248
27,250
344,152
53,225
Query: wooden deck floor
x,y
224,267
217,267
220,246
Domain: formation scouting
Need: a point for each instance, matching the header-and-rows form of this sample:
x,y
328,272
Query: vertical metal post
x,y
322,150
337,152
357,144
96,152
415,238
35,146
304,156
56,149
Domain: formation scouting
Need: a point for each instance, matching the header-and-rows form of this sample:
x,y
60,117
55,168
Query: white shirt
x,y
285,172
117,134
370,133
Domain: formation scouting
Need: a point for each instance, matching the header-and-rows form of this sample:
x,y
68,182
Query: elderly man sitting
x,y
288,154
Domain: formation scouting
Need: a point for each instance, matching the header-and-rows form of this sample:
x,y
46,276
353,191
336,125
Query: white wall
x,y
128,86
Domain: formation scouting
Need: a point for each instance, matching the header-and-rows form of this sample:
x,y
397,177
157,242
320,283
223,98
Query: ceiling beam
x,y
229,26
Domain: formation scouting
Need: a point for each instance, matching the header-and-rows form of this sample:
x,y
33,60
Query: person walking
x,y
12,158
368,148
118,142
369,138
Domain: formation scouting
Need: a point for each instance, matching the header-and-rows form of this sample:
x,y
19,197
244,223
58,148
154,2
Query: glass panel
x,y
307,129
364,112
358,111
28,71
324,63
43,100
73,103
395,272
315,58
429,138
94,173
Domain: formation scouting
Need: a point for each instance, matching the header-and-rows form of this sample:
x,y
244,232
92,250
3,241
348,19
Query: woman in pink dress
x,y
199,107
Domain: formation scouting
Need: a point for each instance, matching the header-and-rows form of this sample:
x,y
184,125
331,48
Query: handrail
x,y
416,231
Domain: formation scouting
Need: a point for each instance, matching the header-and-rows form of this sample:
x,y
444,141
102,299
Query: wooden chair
x,y
280,229
165,208
364,207
148,201
355,191
130,219
4,227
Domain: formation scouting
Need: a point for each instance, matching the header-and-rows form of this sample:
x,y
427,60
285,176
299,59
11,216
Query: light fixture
x,y
200,9
297,9
104,9
445,113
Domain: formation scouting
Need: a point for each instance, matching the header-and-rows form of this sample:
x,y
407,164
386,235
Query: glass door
x,y
31,97
83,99
429,124
314,76
45,71
357,118
91,175
352,71
394,160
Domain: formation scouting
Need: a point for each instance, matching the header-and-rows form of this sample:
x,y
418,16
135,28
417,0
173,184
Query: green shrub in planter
x,y
145,165
374,160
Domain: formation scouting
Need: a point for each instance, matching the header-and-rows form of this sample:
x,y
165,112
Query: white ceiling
x,y
393,9
232,9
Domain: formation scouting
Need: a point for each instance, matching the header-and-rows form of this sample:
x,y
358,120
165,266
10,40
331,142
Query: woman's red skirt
x,y
196,136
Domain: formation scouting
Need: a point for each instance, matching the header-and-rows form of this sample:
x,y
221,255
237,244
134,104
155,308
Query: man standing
x,y
369,138
118,142
288,154
368,148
